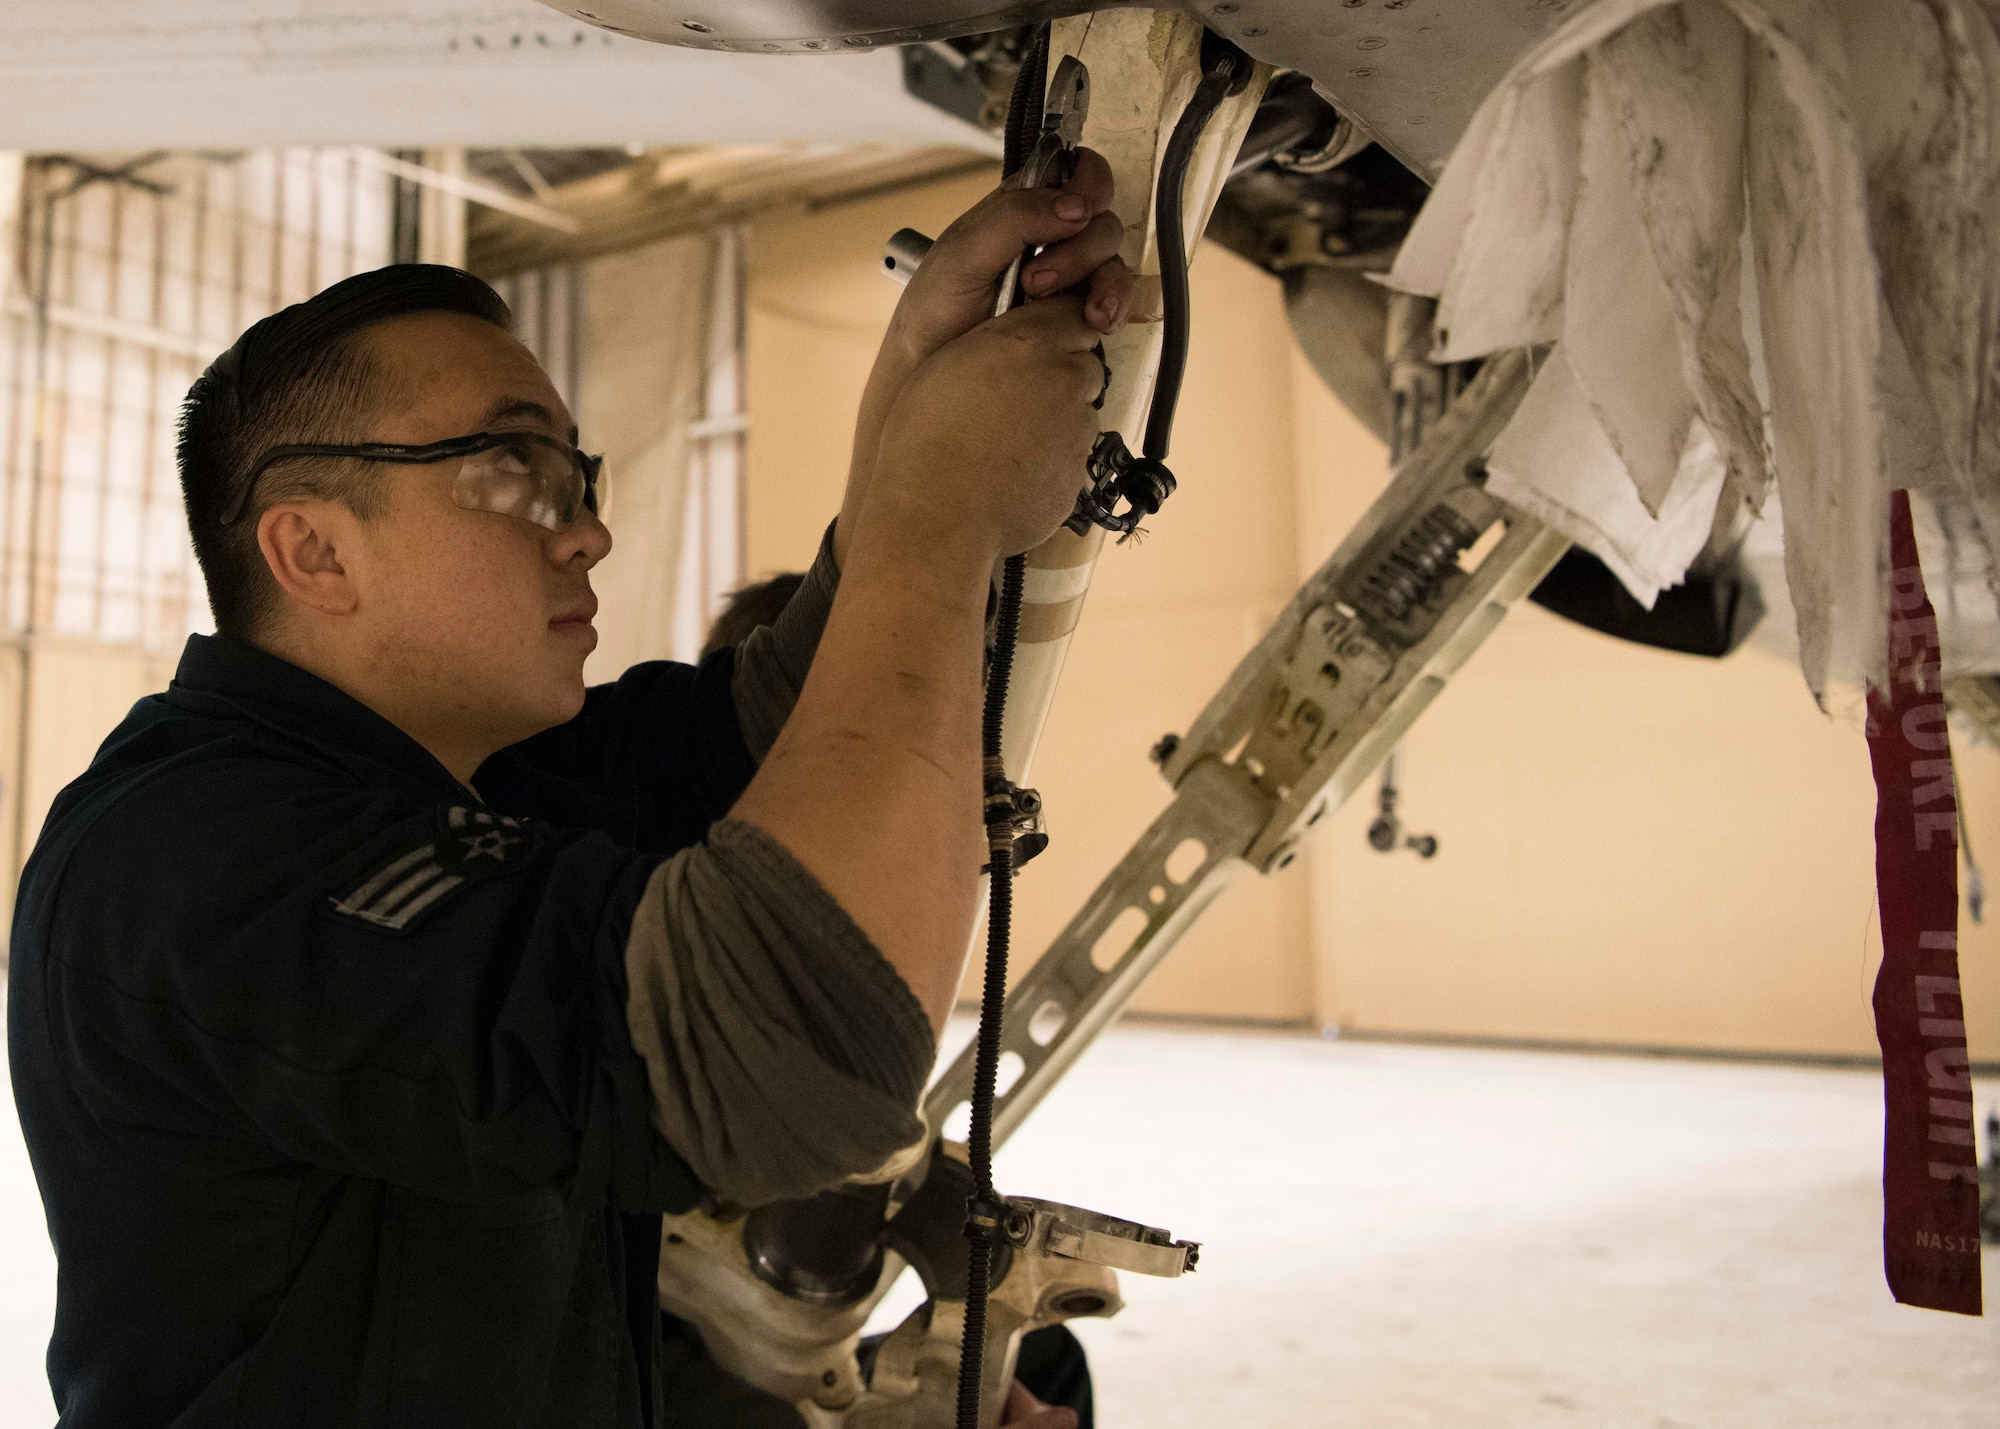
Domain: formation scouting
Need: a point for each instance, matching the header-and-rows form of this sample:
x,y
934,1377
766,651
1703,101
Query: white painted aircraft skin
x,y
144,74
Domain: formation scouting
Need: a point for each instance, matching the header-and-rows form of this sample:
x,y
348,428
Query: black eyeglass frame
x,y
428,454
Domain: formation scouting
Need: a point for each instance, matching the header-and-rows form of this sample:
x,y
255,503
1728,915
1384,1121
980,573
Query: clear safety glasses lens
x,y
533,478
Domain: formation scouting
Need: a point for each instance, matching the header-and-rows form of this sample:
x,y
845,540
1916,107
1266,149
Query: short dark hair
x,y
749,606
300,375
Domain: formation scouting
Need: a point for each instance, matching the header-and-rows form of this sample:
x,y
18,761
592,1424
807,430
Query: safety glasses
x,y
523,474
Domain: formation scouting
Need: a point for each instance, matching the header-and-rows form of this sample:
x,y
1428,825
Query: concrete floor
x,y
1405,1236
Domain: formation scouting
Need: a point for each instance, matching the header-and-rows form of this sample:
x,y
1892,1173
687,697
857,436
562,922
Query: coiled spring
x,y
1415,570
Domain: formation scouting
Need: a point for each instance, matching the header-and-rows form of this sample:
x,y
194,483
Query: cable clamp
x,y
1124,489
991,1219
1013,817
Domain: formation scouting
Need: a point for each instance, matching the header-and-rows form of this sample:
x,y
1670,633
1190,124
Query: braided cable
x,y
993,995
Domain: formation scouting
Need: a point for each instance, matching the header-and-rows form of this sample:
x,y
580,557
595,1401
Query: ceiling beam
x,y
664,196
484,194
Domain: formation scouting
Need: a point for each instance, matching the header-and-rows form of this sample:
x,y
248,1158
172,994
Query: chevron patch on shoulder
x,y
467,844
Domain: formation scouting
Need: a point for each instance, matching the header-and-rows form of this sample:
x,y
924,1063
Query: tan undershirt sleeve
x,y
771,665
785,1054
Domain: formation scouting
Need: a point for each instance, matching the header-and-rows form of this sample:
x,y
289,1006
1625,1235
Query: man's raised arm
x,y
874,784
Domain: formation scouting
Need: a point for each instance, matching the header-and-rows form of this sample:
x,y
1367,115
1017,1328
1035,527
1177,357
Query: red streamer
x,y
1930,1169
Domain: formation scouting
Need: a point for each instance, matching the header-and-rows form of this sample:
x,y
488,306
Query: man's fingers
x,y
978,247
1109,301
1092,180
1065,264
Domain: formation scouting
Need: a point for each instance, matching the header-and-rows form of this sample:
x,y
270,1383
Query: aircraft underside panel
x,y
1410,72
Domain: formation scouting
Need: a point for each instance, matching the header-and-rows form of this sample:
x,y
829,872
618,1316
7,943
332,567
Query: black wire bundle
x,y
1024,106
993,995
1024,126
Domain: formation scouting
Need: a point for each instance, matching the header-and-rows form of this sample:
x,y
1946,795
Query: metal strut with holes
x,y
1366,644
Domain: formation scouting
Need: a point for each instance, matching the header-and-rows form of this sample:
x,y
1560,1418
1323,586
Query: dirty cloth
x,y
1758,241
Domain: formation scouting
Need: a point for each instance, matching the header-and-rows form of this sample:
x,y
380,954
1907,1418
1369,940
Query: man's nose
x,y
587,540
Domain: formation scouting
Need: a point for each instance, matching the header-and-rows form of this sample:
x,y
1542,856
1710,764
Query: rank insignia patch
x,y
468,844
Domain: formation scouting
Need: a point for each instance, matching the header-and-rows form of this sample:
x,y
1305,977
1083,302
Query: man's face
x,y
481,621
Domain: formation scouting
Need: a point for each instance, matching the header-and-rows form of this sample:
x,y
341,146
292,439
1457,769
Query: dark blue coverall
x,y
323,1064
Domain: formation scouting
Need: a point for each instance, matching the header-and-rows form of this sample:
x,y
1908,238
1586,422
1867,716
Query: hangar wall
x,y
117,285
1638,848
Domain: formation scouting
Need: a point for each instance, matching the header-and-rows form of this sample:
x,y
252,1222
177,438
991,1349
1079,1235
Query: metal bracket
x,y
1050,1228
916,1368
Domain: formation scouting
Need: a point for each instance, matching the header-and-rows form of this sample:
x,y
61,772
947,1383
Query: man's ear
x,y
301,542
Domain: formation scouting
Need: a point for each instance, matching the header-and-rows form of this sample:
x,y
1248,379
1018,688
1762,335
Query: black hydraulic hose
x,y
1217,82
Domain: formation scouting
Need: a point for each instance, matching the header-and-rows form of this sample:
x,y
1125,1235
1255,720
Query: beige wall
x,y
1638,847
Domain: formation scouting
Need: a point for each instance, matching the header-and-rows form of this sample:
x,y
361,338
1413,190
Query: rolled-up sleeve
x,y
771,665
784,1053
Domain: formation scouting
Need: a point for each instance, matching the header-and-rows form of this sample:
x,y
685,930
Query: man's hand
x,y
953,292
990,433
1024,1411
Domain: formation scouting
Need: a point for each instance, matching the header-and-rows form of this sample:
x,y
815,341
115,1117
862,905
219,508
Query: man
x,y
378,987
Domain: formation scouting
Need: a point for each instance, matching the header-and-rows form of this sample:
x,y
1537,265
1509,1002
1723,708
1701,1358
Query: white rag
x,y
1764,239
